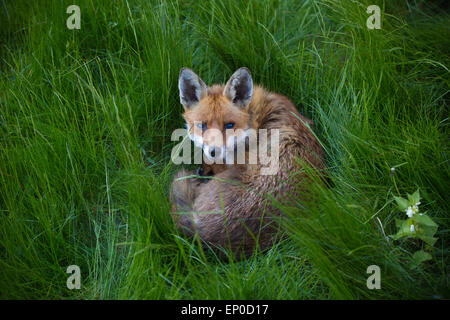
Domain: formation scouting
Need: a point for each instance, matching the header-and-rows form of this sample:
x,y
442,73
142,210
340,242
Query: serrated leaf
x,y
404,229
424,220
399,223
427,239
414,198
421,256
426,234
402,203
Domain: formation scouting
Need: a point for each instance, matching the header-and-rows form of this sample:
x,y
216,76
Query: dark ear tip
x,y
183,70
246,70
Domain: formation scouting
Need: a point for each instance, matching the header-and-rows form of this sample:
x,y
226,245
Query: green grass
x,y
85,123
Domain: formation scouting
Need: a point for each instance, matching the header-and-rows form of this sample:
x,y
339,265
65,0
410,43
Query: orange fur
x,y
244,215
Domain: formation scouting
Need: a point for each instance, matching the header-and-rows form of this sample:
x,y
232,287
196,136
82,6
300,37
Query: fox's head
x,y
216,117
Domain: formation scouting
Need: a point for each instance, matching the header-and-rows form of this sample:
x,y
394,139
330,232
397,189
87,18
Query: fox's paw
x,y
204,171
209,170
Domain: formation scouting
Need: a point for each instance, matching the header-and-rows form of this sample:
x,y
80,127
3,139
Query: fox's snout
x,y
213,152
217,144
211,141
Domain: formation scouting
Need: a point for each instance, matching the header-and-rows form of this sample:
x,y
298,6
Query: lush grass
x,y
85,124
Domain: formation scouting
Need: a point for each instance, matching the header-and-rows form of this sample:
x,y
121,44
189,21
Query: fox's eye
x,y
229,125
202,126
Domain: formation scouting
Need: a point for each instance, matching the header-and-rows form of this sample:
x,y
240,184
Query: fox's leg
x,y
182,196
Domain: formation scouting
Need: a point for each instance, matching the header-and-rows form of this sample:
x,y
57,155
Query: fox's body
x,y
238,192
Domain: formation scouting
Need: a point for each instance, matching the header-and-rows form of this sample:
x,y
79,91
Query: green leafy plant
x,y
417,225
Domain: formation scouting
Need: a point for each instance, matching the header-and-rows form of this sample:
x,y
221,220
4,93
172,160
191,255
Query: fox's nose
x,y
213,152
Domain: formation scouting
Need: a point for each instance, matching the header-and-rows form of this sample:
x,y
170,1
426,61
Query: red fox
x,y
231,208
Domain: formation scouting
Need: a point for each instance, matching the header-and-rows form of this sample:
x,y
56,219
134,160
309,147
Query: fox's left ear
x,y
239,87
192,88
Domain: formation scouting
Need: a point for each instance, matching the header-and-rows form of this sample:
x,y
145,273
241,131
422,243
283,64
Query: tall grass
x,y
85,123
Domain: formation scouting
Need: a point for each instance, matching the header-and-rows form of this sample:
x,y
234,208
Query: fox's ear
x,y
239,87
191,87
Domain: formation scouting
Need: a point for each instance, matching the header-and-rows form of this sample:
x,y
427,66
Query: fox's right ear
x,y
191,87
239,87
